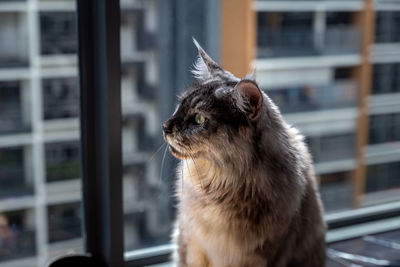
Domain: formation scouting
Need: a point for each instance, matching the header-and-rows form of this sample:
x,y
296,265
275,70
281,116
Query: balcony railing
x,y
387,29
332,147
341,94
384,128
386,78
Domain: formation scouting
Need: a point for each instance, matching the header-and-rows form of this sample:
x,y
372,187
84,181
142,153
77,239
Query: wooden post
x,y
238,36
365,21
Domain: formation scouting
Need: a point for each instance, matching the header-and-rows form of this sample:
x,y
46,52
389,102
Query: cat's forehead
x,y
206,92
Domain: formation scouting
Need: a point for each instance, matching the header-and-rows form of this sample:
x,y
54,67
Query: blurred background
x,y
332,66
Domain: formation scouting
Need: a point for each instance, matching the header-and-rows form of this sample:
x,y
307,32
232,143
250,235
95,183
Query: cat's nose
x,y
166,129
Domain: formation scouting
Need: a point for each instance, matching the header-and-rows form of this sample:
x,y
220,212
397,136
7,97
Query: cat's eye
x,y
200,119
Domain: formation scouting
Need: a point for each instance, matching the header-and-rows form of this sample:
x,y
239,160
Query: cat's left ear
x,y
253,98
204,67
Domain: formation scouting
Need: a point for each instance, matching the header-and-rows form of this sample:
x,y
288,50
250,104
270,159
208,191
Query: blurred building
x,y
310,60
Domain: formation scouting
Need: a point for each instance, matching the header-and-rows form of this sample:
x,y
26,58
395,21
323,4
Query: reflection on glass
x,y
15,174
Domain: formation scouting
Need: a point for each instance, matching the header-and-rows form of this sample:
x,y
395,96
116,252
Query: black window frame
x,y
101,157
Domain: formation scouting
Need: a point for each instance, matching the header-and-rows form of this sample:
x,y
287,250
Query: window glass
x,y
147,196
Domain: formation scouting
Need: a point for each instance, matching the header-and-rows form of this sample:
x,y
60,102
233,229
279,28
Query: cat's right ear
x,y
204,67
250,96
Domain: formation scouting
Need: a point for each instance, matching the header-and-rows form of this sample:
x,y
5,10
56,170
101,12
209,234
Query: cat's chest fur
x,y
213,222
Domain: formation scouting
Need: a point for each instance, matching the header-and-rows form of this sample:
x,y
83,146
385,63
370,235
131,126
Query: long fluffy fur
x,y
249,196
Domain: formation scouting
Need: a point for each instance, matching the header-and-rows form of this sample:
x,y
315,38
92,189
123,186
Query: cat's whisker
x,y
159,147
162,164
182,180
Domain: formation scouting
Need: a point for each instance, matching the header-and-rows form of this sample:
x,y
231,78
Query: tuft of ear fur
x,y
251,75
251,95
204,67
206,70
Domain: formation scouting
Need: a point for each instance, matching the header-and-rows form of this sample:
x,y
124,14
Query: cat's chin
x,y
176,153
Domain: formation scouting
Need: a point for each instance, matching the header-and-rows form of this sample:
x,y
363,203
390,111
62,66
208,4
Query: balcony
x,y
60,98
64,221
15,174
333,185
387,28
58,33
386,78
332,147
17,237
62,161
384,128
14,40
14,111
383,176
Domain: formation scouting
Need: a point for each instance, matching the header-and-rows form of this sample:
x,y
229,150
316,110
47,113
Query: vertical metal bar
x,y
365,20
100,72
238,18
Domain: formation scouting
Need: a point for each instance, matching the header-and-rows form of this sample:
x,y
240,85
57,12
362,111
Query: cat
x,y
248,194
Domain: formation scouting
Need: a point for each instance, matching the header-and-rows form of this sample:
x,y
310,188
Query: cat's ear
x,y
204,67
252,96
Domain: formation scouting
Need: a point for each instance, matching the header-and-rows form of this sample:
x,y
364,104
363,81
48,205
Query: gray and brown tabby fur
x,y
248,195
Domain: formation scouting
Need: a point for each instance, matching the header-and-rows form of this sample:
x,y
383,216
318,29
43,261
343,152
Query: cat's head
x,y
215,115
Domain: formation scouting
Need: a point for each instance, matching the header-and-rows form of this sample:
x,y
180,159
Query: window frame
x,y
100,118
101,153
